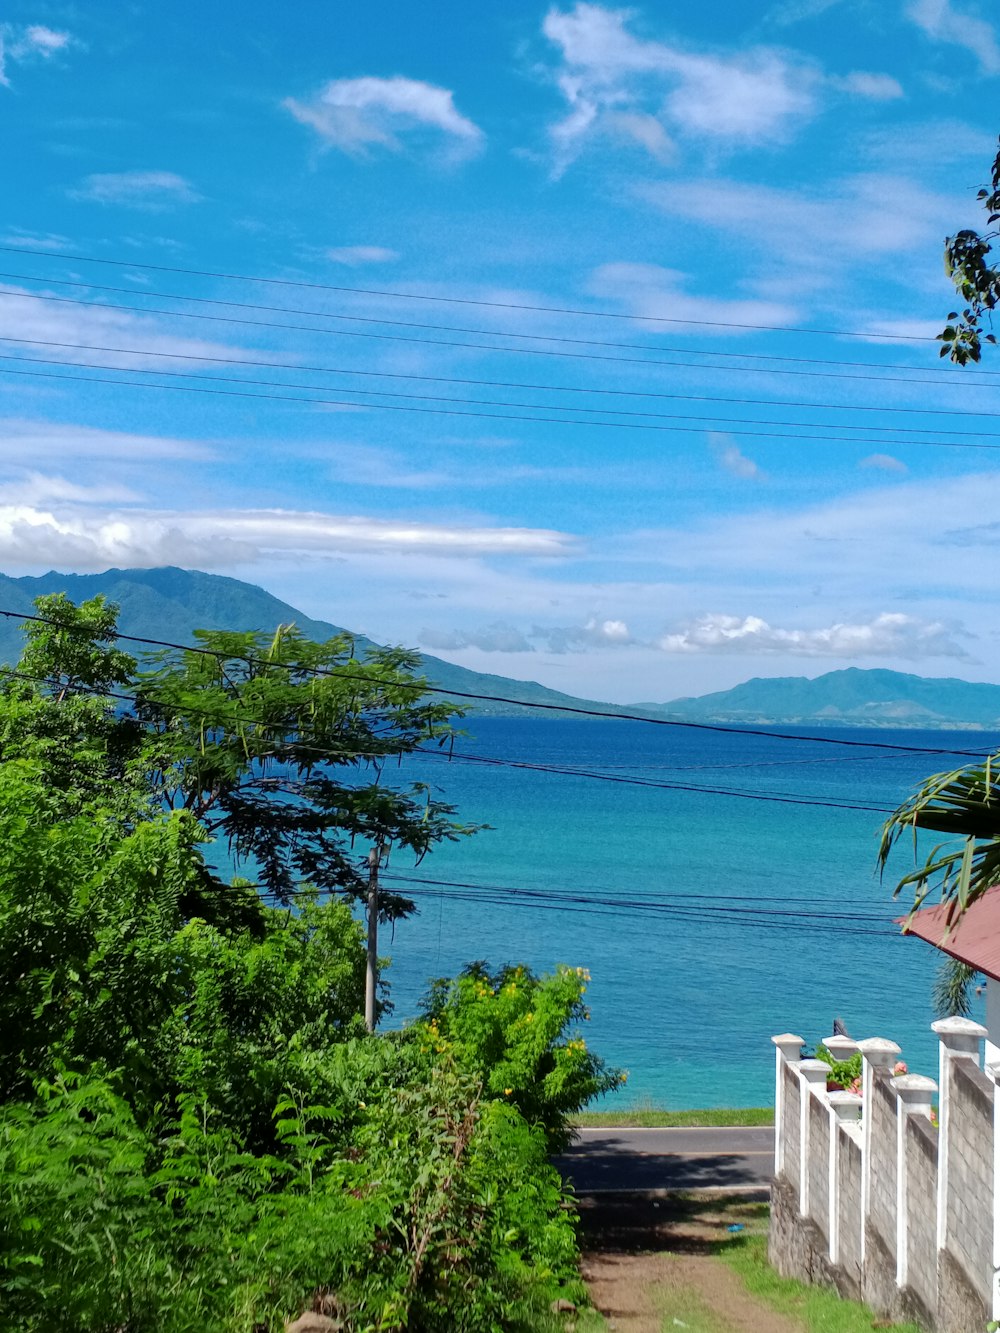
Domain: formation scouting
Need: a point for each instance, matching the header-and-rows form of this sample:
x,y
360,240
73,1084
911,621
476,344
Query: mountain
x,y
852,698
170,604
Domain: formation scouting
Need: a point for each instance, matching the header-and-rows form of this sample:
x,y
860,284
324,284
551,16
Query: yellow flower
x,y
507,1091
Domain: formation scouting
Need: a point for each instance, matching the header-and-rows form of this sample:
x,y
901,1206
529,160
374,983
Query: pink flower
x,y
855,1086
900,1067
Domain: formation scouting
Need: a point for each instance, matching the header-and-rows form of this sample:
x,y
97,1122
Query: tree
x,y
968,263
56,711
262,739
964,803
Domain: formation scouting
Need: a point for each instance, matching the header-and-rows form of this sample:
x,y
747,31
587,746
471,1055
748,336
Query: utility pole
x,y
371,975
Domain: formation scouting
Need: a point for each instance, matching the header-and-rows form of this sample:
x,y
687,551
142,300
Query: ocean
x,y
708,919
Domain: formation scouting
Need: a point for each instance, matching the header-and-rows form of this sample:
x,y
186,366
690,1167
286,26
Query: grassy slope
x,y
647,1118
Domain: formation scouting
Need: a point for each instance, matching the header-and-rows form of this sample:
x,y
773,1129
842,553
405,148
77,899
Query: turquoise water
x,y
772,920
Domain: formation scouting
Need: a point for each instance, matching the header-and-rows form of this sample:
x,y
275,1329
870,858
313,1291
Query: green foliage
x,y
968,263
195,1131
514,1030
951,994
53,711
253,740
843,1073
963,804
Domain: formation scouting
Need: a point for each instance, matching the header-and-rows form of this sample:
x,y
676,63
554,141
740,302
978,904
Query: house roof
x,y
973,937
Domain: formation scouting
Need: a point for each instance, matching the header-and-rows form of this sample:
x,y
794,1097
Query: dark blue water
x,y
719,920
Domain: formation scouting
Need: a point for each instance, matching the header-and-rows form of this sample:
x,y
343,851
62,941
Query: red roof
x,y
972,938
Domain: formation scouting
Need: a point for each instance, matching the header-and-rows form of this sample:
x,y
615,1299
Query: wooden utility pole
x,y
371,975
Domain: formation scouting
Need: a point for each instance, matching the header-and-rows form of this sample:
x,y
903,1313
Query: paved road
x,y
679,1159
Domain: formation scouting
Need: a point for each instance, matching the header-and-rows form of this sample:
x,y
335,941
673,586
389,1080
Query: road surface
x,y
669,1159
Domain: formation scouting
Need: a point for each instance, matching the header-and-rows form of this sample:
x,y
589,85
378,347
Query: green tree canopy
x,y
281,748
972,266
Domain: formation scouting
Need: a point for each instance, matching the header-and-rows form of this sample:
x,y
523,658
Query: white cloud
x,y
28,442
863,218
37,488
355,115
22,44
876,87
504,638
732,458
617,84
942,22
86,538
884,463
35,240
25,317
151,191
498,638
890,634
596,633
356,255
655,292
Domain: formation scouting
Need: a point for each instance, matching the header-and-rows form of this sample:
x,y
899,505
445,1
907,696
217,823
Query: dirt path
x,y
652,1265
644,1293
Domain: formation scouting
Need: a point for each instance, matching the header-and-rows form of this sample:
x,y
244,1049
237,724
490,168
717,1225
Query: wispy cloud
x,y
30,441
731,457
498,638
862,83
152,191
616,83
356,115
942,21
23,43
90,538
884,463
501,637
652,291
891,634
354,256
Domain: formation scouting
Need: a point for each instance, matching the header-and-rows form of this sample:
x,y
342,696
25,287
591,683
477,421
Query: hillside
x,y
853,697
170,604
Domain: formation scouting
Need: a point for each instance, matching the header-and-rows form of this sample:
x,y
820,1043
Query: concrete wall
x,y
921,1149
885,1205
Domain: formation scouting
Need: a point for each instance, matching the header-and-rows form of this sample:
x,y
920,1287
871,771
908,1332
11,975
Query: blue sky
x,y
664,492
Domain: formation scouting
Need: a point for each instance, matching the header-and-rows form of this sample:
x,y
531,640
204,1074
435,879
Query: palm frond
x,y
952,991
965,804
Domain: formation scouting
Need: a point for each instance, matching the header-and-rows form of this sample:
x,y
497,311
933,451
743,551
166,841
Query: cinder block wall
x,y
877,1196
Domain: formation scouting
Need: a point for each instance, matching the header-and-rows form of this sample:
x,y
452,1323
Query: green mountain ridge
x,y
850,697
171,603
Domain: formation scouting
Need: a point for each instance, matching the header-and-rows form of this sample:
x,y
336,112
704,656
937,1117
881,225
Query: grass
x,y
698,1229
819,1310
649,1118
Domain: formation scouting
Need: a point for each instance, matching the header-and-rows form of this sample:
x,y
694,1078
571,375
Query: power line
x,y
537,705
291,786
458,328
584,905
486,347
459,300
637,895
437,411
503,384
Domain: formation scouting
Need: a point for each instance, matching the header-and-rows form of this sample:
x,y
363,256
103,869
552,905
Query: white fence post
x,y
877,1053
959,1040
813,1075
787,1049
914,1096
993,1069
845,1108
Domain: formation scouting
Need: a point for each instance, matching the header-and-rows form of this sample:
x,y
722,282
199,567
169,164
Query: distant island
x,y
170,604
